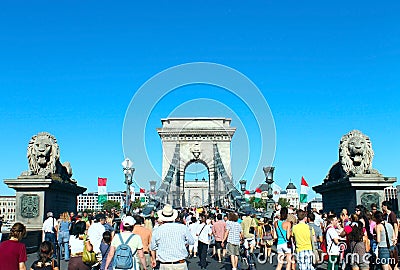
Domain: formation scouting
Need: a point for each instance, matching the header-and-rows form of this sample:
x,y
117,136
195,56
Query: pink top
x,y
218,230
372,225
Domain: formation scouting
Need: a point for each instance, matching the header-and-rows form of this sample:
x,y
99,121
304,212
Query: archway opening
x,y
196,184
196,171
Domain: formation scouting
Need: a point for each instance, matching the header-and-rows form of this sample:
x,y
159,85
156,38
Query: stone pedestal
x,y
37,195
348,192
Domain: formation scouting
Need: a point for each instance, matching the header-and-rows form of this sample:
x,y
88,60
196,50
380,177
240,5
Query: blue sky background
x,y
71,68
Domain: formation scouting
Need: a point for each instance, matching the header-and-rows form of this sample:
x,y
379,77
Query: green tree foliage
x,y
259,204
108,205
283,202
136,204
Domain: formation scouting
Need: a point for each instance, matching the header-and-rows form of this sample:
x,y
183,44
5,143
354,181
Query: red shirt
x,y
11,254
218,230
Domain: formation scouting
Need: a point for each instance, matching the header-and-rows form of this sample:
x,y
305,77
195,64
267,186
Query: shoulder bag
x,y
88,257
288,241
394,257
315,251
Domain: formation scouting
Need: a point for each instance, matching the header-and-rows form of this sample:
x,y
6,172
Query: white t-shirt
x,y
331,247
193,229
76,244
318,219
204,236
95,234
48,225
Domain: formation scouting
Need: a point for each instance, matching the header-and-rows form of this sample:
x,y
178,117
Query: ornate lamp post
x,y
243,185
152,189
128,171
269,179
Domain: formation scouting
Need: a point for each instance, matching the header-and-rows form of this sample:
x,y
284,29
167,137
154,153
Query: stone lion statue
x,y
44,158
355,156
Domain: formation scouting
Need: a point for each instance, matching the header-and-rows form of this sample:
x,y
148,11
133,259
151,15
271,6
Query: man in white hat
x,y
168,243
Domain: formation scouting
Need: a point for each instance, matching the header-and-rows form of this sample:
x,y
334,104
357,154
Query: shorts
x,y
384,255
282,248
218,244
232,249
249,242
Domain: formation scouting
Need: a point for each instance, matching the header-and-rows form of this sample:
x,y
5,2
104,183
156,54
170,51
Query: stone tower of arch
x,y
188,140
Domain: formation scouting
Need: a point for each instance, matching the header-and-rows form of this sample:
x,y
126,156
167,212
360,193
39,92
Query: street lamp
x,y
243,185
152,189
242,188
128,171
269,179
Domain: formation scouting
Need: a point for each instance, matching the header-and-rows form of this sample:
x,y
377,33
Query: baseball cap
x,y
128,221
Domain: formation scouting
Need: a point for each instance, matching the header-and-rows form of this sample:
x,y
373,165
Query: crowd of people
x,y
165,239
365,239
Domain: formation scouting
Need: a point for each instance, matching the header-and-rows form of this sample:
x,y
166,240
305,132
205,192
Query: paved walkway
x,y
192,264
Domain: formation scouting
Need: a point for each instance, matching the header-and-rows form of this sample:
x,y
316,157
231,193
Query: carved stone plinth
x,y
36,195
351,191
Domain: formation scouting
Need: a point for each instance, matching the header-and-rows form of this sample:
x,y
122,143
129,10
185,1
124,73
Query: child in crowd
x,y
104,249
45,261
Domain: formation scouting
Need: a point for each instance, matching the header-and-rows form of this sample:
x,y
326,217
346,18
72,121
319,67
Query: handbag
x,y
394,256
88,257
315,251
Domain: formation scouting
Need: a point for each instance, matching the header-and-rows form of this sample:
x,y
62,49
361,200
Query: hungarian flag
x,y
247,195
132,194
303,190
142,195
257,196
101,190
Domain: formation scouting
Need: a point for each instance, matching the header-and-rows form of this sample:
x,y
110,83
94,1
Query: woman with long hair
x,y
45,261
357,253
384,229
77,242
283,234
13,252
267,240
63,234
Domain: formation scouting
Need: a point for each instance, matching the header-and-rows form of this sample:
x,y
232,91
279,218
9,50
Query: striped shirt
x,y
169,241
234,229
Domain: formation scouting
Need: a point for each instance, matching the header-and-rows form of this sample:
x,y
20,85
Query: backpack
x,y
123,257
324,246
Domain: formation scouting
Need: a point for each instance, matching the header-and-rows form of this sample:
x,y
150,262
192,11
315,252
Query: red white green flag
x,y
247,195
303,190
142,195
257,196
101,190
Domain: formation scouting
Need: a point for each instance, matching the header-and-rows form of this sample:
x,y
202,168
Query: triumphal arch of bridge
x,y
197,140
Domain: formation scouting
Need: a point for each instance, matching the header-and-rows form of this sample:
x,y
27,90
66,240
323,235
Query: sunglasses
x,y
373,209
357,210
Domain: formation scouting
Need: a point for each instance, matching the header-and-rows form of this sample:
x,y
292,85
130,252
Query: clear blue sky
x,y
71,68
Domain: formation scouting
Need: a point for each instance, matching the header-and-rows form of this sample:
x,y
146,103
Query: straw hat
x,y
167,213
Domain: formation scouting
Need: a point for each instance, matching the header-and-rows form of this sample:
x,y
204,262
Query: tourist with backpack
x,y
332,242
125,248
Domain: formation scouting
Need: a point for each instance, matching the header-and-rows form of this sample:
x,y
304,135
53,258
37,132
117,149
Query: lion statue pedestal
x,y
352,180
47,186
